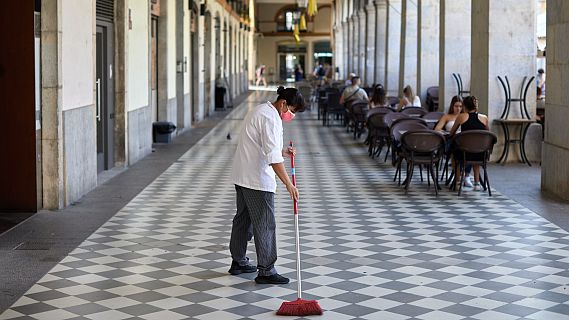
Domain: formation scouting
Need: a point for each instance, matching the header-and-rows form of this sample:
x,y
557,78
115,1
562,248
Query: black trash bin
x,y
162,131
220,97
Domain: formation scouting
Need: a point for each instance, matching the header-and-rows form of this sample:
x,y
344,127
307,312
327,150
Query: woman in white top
x,y
447,121
409,99
259,156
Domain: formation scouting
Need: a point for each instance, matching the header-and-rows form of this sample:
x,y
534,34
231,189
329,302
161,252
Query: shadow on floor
x,y
522,184
10,219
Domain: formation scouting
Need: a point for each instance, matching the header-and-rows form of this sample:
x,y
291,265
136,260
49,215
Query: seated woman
x,y
379,98
409,99
471,120
445,124
447,121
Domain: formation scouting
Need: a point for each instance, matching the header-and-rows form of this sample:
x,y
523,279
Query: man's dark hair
x,y
292,97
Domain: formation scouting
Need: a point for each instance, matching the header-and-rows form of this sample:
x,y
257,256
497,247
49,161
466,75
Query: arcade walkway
x,y
369,250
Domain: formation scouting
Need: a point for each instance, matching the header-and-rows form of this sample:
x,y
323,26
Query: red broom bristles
x,y
300,307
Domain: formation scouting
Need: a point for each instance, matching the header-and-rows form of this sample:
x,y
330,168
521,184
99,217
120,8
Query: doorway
x,y
18,180
287,64
105,97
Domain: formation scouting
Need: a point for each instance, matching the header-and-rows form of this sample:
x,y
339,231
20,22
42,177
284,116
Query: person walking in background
x,y
259,156
328,72
319,74
540,81
260,73
298,73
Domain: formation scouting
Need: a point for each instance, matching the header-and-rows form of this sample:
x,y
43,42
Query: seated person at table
x,y
354,92
379,98
445,124
348,81
471,120
447,121
409,99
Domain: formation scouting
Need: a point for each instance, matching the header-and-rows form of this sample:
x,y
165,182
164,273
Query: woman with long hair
x,y
447,121
470,120
379,97
409,99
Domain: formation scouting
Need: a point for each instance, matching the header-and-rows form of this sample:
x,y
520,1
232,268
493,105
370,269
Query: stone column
x,y
362,37
392,49
121,42
182,101
339,50
370,61
454,48
555,150
51,93
166,66
347,46
503,44
310,51
427,47
408,51
354,44
380,42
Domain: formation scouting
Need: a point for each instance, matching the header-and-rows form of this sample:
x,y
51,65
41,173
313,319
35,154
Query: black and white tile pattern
x,y
369,250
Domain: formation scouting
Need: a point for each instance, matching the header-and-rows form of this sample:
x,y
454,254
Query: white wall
x,y
77,52
393,47
454,48
137,63
428,50
323,20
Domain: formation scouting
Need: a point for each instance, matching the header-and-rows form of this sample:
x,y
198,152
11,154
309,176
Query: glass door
x,y
287,64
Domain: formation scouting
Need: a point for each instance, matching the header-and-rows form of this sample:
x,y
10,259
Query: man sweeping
x,y
259,156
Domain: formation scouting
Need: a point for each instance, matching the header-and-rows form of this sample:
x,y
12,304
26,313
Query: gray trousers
x,y
255,217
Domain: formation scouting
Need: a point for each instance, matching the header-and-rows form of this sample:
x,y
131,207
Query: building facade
x,y
106,70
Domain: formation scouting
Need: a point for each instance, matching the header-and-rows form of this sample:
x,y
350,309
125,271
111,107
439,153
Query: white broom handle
x,y
299,285
296,232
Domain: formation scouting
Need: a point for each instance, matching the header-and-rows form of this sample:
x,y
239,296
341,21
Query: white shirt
x,y
260,145
416,102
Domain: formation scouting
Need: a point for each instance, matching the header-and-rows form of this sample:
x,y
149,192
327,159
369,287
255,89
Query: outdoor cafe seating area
x,y
406,139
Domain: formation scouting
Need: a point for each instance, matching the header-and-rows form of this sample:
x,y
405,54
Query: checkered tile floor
x,y
369,251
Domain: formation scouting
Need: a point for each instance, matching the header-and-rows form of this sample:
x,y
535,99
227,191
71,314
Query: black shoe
x,y
272,279
237,269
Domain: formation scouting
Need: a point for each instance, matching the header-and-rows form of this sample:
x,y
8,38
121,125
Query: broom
x,y
298,307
